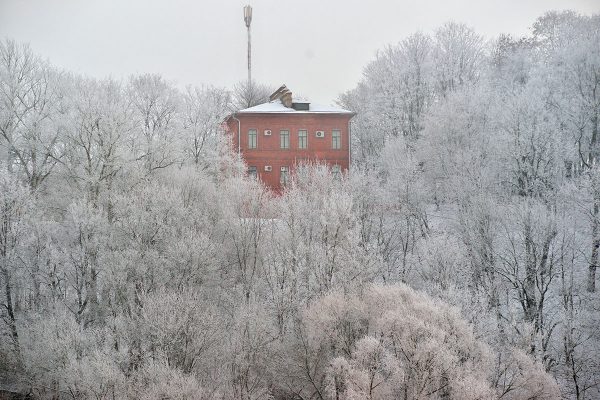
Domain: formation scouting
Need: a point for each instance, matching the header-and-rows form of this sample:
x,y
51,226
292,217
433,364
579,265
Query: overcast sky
x,y
317,47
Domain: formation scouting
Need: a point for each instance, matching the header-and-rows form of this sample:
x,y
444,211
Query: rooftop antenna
x,y
248,20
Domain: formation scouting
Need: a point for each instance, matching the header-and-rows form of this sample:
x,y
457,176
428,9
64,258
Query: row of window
x,y
284,139
284,173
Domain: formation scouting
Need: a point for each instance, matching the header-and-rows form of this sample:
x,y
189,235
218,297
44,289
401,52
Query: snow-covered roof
x,y
275,106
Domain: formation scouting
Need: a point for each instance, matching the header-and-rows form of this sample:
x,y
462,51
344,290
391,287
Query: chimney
x,y
286,99
284,95
277,94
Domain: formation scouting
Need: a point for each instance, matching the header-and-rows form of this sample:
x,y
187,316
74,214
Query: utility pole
x,y
248,20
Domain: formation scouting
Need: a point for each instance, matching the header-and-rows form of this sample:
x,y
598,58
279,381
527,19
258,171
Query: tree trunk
x,y
530,275
93,294
591,282
11,321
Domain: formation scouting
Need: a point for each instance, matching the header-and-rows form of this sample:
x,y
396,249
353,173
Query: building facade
x,y
277,137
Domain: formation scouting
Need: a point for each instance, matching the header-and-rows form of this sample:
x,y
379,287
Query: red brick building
x,y
274,138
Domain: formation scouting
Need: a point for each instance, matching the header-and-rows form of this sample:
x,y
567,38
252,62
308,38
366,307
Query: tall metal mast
x,y
248,20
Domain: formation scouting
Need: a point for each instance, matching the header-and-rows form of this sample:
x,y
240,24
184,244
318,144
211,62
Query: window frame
x,y
281,136
283,182
255,139
336,144
305,139
253,176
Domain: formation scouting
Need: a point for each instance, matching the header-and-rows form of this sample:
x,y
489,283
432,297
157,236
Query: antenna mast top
x,y
248,20
247,15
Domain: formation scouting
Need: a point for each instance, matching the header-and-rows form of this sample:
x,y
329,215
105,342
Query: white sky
x,y
317,47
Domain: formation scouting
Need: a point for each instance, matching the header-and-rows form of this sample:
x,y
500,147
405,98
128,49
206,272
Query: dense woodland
x,y
456,260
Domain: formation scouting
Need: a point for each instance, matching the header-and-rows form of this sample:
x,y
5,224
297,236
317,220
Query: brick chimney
x,y
286,99
284,95
277,94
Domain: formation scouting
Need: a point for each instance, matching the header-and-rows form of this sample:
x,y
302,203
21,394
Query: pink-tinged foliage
x,y
390,342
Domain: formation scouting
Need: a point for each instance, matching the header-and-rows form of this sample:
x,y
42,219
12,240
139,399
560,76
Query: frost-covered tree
x,y
393,96
205,109
14,206
155,140
390,342
249,94
33,110
458,53
96,140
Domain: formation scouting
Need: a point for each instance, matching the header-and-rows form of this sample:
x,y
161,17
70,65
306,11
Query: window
x,y
252,174
336,140
284,176
336,171
252,139
284,139
302,139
